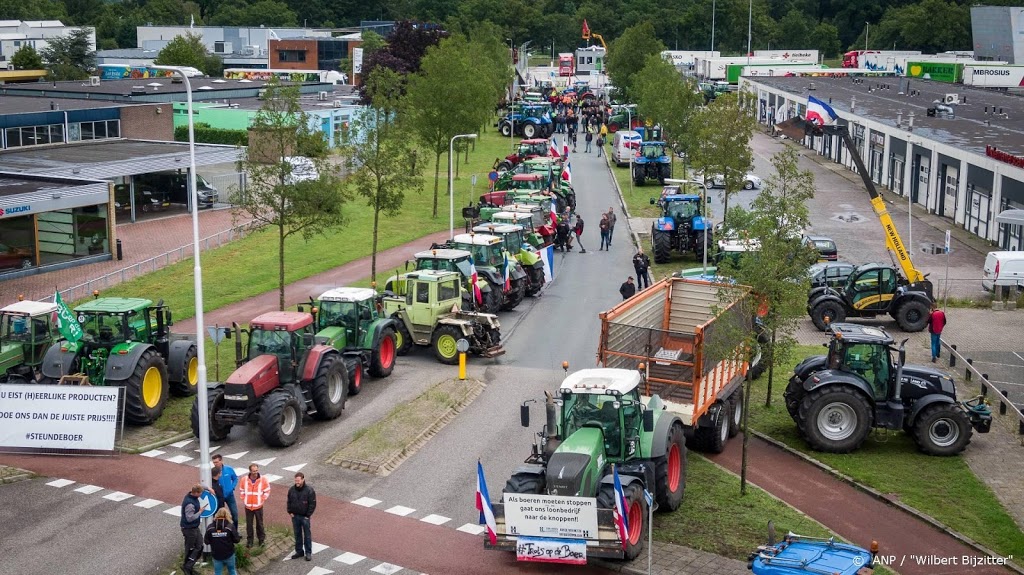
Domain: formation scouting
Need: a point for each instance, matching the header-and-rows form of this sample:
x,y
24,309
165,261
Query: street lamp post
x,y
451,183
750,28
201,401
712,25
867,30
629,128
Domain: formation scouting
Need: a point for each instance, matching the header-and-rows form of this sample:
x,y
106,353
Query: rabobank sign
x,y
15,210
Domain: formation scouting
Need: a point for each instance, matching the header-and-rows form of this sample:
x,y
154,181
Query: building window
x,y
291,55
95,130
34,135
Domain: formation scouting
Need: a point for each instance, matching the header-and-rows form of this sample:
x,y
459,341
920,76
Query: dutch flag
x,y
621,520
820,113
567,172
506,270
565,150
553,147
483,505
474,281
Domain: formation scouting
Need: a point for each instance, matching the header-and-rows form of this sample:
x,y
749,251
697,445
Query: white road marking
x,y
149,503
271,477
295,468
183,443
366,501
436,519
238,455
152,453
317,547
386,569
349,558
89,489
1019,356
213,449
175,511
319,571
472,529
118,496
60,483
179,459
400,510
263,462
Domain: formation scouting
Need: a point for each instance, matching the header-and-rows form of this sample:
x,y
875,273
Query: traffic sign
x,y
947,241
493,176
217,334
472,180
211,504
462,345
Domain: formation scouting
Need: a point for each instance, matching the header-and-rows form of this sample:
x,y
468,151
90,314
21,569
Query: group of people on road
x,y
222,534
642,266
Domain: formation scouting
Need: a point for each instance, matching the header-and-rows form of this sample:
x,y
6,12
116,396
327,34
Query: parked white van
x,y
624,144
1003,269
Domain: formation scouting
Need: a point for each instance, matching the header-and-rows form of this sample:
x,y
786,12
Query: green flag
x,y
66,321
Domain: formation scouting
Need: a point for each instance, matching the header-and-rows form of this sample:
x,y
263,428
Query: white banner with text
x,y
551,516
58,417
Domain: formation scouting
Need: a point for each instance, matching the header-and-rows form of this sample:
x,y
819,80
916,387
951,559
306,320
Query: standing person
x,y
191,512
301,505
603,226
611,224
578,230
588,138
936,322
600,145
221,536
641,263
255,492
604,130
218,491
228,482
572,136
627,289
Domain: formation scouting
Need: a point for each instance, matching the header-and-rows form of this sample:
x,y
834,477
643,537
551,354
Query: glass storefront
x,y
53,237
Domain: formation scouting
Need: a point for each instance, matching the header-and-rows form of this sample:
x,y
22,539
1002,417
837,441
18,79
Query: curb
x,y
882,497
155,444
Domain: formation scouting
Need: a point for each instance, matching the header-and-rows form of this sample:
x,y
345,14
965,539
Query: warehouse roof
x,y
27,104
971,129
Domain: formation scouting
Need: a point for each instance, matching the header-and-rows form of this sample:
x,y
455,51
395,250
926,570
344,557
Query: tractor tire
x,y
942,429
504,166
638,178
613,127
912,316
516,295
43,380
354,370
444,343
536,281
830,309
526,483
713,439
791,397
735,412
661,242
493,301
636,512
280,419
188,386
670,471
748,185
330,387
403,339
146,390
529,131
835,419
382,360
505,129
698,244
215,401
664,171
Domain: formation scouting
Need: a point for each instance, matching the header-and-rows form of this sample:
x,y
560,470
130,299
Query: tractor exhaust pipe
x,y
901,359
238,344
551,410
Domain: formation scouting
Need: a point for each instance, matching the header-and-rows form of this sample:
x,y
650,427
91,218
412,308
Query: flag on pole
x,y
586,30
474,283
565,150
553,147
483,505
567,173
554,211
506,270
192,21
621,521
66,322
820,113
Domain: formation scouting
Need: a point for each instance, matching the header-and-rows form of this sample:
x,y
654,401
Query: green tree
x,y
372,42
668,99
26,58
34,10
628,54
436,111
724,143
825,37
270,13
384,155
70,57
930,26
186,50
304,198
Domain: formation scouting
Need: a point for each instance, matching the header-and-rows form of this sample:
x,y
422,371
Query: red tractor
x,y
533,148
283,376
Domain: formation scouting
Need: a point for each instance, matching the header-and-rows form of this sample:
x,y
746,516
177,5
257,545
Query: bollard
x,y
462,365
967,370
1002,404
952,356
120,254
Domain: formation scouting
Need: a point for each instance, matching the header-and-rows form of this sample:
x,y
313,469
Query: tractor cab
x,y
609,402
451,260
487,250
27,329
512,236
651,151
525,221
344,315
287,335
866,352
533,182
429,295
532,148
871,286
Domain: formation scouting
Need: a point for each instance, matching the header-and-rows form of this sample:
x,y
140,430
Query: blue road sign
x,y
211,504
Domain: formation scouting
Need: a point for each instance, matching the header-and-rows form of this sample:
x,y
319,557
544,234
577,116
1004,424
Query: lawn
x,y
942,487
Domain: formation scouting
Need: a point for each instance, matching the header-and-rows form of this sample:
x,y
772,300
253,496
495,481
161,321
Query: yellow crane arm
x,y
601,38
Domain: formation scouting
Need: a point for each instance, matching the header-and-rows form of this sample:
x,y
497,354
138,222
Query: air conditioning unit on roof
x,y
951,99
321,97
94,80
337,103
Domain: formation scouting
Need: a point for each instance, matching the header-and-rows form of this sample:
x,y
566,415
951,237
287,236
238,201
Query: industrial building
x,y
954,150
16,34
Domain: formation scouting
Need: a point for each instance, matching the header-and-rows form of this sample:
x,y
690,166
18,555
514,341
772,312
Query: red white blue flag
x,y
567,172
565,150
819,112
621,520
553,147
554,211
474,282
483,505
506,271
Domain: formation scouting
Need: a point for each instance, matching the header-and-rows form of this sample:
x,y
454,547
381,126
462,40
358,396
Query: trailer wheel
x,y
215,400
835,419
942,429
670,471
827,309
280,419
525,483
736,413
636,513
713,439
912,316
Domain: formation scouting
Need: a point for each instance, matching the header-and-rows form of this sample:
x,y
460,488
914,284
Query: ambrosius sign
x,y
15,210
58,417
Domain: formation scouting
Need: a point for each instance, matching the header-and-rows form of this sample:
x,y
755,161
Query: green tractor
x,y
525,220
27,330
598,420
451,260
429,314
489,258
525,253
127,342
349,320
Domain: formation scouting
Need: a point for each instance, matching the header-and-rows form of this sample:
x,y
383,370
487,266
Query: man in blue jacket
x,y
228,482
